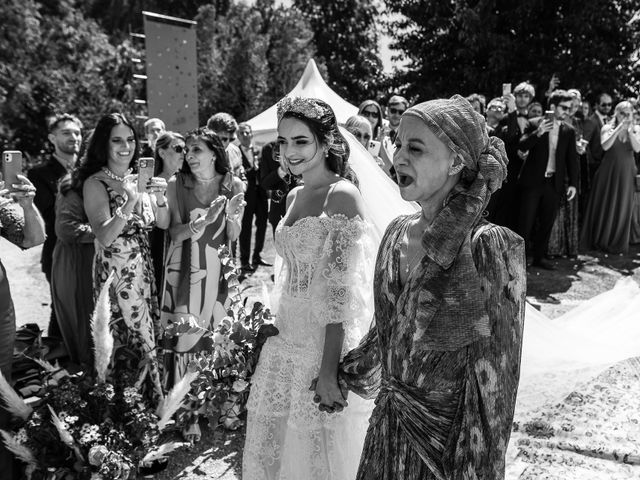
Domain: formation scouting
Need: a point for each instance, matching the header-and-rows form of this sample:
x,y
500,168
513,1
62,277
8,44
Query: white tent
x,y
310,85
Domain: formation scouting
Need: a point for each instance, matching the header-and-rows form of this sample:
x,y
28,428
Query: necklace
x,y
112,175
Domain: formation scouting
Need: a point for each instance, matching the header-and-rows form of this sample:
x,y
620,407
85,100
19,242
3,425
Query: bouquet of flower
x,y
221,388
85,427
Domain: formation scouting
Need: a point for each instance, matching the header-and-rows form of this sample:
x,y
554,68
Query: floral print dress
x,y
444,402
135,314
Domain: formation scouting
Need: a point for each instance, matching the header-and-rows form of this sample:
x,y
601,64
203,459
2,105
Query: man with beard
x,y
65,135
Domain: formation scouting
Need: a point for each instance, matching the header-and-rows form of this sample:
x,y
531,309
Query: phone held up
x,y
145,172
374,148
548,116
11,168
506,89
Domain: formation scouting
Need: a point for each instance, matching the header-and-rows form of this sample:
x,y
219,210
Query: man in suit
x,y
65,134
277,181
257,203
591,134
504,205
552,155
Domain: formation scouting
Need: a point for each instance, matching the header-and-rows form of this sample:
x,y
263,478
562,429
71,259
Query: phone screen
x,y
11,167
506,89
145,172
548,115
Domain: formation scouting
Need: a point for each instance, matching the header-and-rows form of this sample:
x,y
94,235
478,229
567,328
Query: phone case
x,y
11,167
374,148
145,172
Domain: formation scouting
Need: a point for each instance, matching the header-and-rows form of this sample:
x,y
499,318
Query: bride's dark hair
x,y
319,117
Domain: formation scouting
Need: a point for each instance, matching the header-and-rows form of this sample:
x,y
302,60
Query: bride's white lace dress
x,y
325,278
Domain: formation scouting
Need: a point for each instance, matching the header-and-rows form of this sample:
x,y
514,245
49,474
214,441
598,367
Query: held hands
x,y
331,396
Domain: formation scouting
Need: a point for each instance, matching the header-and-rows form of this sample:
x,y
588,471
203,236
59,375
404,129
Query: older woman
x,y
121,215
22,225
206,204
443,355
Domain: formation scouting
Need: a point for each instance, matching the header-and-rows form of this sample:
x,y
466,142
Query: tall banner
x,y
172,88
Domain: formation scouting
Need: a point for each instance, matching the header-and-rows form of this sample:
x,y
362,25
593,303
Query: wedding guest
x,y
278,181
565,233
169,156
153,128
635,222
592,128
607,222
359,127
372,111
496,111
65,134
396,107
206,204
505,204
22,225
442,357
257,204
535,110
225,127
552,155
72,286
121,217
478,102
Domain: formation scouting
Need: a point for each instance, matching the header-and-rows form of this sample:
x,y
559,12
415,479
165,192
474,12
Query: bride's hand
x,y
328,394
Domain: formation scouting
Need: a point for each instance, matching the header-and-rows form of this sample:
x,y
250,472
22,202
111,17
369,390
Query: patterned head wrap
x,y
463,130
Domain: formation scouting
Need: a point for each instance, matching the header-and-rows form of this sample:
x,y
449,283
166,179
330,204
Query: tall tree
x,y
465,46
346,38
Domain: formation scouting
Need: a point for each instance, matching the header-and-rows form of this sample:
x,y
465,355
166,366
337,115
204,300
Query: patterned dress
x,y
135,315
445,386
324,279
195,288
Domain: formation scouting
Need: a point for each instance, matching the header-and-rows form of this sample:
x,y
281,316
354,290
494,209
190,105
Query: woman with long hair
x,y
372,111
324,305
206,206
121,213
607,220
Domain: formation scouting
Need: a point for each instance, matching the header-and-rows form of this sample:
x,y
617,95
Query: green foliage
x,y
346,38
55,60
465,46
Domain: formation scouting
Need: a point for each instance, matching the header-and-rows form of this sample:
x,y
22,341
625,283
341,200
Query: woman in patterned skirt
x,y
121,217
443,354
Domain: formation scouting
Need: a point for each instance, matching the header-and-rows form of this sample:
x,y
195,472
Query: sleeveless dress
x,y
134,304
325,278
195,288
607,222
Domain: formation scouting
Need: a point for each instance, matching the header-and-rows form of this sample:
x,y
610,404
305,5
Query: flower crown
x,y
308,107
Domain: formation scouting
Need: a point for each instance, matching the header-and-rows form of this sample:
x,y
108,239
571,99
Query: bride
x,y
324,309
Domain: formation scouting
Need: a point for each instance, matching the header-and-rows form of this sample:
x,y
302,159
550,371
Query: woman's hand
x,y
158,187
130,188
215,209
236,205
329,394
23,192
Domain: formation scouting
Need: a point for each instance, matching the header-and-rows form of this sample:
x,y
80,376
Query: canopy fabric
x,y
310,85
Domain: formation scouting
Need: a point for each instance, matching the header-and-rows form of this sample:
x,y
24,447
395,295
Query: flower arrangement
x,y
221,388
90,427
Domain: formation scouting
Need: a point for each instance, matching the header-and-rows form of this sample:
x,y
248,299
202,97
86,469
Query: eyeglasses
x,y
178,148
496,108
605,104
395,111
369,113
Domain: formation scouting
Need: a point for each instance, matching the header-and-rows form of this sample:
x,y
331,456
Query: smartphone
x,y
145,172
506,89
374,148
548,115
11,168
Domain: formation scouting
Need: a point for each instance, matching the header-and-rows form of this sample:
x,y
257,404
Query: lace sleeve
x,y
341,289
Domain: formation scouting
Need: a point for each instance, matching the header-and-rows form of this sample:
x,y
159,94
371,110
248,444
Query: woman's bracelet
x,y
120,214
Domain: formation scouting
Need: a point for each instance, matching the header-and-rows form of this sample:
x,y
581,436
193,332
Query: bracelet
x,y
192,227
120,214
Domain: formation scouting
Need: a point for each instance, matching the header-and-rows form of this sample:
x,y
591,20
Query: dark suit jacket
x,y
509,132
46,177
252,172
591,133
532,174
271,181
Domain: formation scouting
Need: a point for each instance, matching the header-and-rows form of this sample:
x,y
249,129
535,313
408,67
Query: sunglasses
x,y
395,111
496,108
226,139
178,148
564,107
605,104
361,136
370,114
